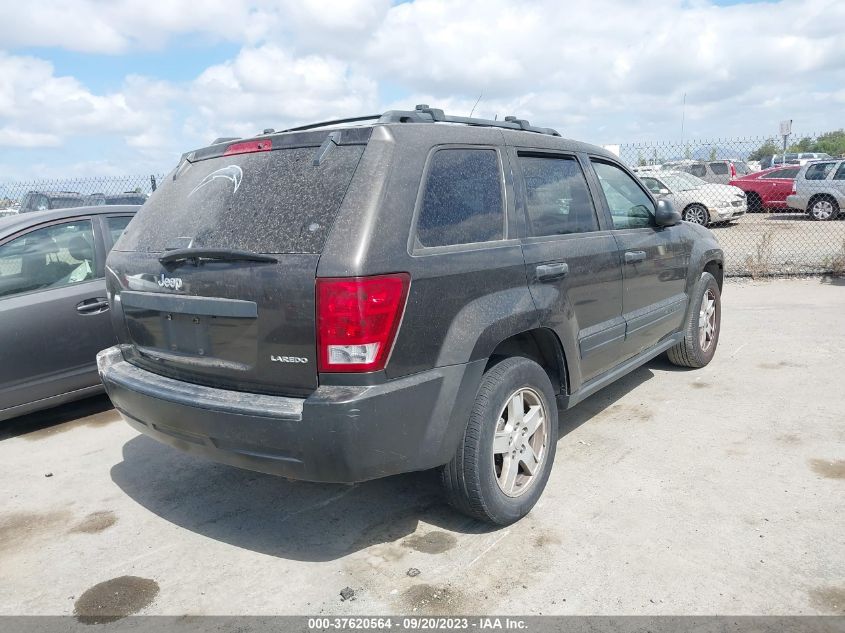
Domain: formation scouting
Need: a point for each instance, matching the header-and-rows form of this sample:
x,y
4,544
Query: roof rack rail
x,y
424,114
312,126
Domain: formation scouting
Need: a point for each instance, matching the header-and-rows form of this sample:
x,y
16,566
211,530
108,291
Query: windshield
x,y
262,202
66,203
683,181
127,199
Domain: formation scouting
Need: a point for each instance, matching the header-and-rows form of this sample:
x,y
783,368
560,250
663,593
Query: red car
x,y
767,190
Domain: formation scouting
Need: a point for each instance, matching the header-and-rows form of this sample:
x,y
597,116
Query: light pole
x,y
785,131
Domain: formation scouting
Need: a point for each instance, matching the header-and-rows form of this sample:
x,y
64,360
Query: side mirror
x,y
666,214
664,192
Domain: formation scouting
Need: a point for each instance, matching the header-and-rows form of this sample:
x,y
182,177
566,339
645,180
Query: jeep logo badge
x,y
170,282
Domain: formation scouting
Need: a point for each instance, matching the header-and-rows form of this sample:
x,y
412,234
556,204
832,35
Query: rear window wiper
x,y
196,255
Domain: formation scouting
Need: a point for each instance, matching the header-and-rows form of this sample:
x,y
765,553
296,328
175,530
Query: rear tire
x,y
502,464
755,204
701,331
823,208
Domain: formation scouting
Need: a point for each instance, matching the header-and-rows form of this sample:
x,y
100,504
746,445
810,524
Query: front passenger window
x,y
629,205
50,257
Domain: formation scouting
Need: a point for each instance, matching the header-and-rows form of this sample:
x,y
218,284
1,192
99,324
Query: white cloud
x,y
269,87
604,70
118,26
619,65
38,108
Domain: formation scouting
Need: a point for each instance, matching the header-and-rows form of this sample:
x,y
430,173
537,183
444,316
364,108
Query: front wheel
x,y
505,456
701,330
697,214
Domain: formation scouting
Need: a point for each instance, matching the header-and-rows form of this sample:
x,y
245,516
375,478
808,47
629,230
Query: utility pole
x,y
785,131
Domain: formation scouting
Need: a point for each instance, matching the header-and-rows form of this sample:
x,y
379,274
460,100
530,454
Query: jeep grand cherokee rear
x,y
225,326
420,292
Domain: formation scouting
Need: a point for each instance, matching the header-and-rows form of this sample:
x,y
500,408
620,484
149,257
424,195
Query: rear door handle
x,y
632,257
93,306
548,272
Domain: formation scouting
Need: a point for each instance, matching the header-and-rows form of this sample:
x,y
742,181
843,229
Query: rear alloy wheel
x,y
521,442
505,457
824,209
697,214
701,330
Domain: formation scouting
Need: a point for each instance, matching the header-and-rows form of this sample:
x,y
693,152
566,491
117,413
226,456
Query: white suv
x,y
819,189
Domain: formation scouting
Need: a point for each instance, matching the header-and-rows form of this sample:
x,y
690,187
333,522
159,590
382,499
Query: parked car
x,y
127,197
793,158
767,190
716,171
697,201
53,304
819,189
48,200
338,304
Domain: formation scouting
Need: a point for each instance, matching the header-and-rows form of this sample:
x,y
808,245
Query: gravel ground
x,y
782,243
717,491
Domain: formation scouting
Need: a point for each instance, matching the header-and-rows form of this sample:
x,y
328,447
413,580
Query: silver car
x,y
819,189
714,171
698,201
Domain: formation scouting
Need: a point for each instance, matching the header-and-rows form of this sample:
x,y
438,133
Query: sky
x,y
116,87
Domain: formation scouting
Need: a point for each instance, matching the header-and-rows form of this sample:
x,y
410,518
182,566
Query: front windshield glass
x,y
682,181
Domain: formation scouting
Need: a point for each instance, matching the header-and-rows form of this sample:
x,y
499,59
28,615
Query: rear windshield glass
x,y
719,168
263,202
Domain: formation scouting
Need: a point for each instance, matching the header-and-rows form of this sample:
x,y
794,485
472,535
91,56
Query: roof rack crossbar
x,y
423,114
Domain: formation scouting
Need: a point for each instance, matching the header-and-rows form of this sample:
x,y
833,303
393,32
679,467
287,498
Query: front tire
x,y
697,214
505,457
701,331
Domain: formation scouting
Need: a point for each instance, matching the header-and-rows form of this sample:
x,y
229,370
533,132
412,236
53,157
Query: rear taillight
x,y
248,147
733,171
357,319
794,188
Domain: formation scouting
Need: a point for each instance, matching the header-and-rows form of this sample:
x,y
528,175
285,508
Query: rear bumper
x,y
797,202
337,434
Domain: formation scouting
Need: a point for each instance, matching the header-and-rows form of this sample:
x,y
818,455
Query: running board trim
x,y
597,383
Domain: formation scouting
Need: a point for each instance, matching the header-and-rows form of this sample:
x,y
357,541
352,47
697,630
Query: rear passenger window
x,y
840,173
558,199
720,169
818,171
462,201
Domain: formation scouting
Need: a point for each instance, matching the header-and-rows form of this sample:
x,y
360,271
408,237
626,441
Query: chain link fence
x,y
787,216
17,197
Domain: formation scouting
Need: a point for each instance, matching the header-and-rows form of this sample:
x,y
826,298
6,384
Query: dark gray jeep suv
x,y
414,291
